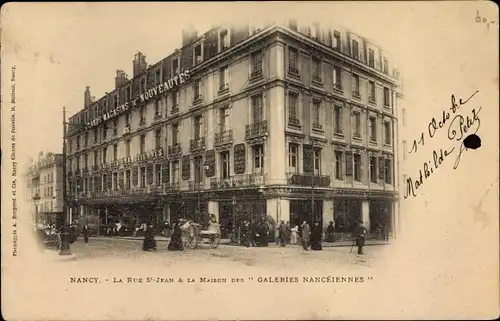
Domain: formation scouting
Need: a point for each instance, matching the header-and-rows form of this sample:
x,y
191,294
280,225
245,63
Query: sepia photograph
x,y
253,160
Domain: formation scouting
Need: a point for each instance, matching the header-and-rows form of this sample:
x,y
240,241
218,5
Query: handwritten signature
x,y
459,127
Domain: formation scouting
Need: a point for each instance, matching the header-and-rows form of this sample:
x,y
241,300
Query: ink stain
x,y
472,141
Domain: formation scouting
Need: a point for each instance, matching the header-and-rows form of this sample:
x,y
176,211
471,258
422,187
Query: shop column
x,y
327,213
278,209
365,214
213,208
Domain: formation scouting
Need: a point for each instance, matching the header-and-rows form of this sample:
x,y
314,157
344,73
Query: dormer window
x,y
176,66
143,84
355,49
129,93
197,54
115,100
158,76
223,40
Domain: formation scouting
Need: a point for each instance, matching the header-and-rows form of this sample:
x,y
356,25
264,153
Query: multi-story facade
x,y
243,121
45,179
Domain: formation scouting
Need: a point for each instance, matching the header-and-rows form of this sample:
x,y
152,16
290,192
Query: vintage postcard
x,y
253,160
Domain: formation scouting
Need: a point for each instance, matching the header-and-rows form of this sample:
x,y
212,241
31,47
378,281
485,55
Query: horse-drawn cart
x,y
194,233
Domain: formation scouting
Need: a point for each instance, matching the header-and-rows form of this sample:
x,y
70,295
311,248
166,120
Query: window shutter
x,y
135,176
308,158
186,167
381,168
149,173
348,163
165,173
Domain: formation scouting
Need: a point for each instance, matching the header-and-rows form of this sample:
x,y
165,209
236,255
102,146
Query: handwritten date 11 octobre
x,y
435,125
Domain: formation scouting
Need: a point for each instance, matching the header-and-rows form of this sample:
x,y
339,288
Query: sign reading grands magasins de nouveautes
x,y
143,97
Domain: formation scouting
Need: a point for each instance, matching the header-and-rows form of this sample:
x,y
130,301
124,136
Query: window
x,y
371,58
293,60
104,132
355,49
257,109
175,99
197,127
357,124
405,149
387,133
371,86
224,40
142,175
316,66
198,54
157,174
115,152
142,143
176,66
158,76
337,78
143,84
373,169
86,139
78,143
386,66
175,172
388,171
292,107
197,90
357,167
115,126
258,159
104,152
224,119
338,119
156,104
157,139
225,165
115,180
115,100
338,165
317,161
355,85
175,133
127,148
223,78
336,40
198,168
129,93
387,97
256,61
293,157
142,116
316,111
127,119
96,158
373,129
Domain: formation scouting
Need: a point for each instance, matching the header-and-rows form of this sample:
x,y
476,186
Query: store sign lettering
x,y
150,155
144,97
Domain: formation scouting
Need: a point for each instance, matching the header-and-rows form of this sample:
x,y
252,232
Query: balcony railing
x,y
174,150
85,170
225,137
197,144
317,126
95,168
195,185
175,186
371,99
77,172
356,94
256,130
308,180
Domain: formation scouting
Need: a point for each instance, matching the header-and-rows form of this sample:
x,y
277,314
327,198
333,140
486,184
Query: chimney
x,y
120,79
139,64
188,34
88,97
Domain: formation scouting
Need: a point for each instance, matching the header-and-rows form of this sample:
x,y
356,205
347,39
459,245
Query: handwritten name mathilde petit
x,y
260,279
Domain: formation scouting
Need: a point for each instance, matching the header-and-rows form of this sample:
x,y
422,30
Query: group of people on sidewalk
x,y
175,244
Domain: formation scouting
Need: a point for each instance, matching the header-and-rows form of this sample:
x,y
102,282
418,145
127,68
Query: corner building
x,y
265,120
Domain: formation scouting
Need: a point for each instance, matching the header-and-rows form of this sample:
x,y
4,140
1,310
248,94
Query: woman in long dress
x,y
175,243
293,236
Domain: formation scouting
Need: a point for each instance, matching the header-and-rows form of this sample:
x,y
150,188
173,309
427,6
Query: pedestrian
x,y
263,232
149,241
293,234
316,236
253,233
359,234
86,233
330,232
287,228
175,243
64,234
385,232
305,235
282,234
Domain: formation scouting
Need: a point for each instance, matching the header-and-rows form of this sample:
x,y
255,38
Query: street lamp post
x,y
202,167
36,201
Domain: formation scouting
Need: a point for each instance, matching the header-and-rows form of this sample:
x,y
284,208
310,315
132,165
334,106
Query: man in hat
x,y
305,233
359,234
316,237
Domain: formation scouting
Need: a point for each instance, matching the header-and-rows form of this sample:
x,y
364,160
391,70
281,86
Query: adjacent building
x,y
295,121
45,181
